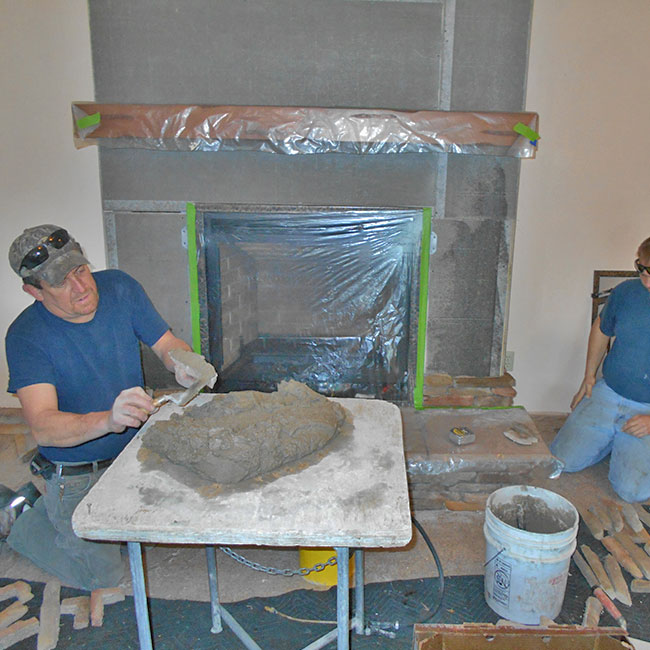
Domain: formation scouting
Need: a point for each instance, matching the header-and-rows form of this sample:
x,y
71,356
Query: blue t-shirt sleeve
x,y
29,363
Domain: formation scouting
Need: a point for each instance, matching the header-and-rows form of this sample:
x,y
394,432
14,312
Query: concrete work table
x,y
354,497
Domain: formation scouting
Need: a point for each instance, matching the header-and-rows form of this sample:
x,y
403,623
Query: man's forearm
x,y
165,344
60,429
596,349
54,428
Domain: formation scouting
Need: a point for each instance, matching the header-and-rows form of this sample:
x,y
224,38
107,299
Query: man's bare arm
x,y
596,348
51,427
163,346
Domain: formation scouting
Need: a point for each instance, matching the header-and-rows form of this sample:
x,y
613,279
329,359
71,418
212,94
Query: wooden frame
x,y
599,298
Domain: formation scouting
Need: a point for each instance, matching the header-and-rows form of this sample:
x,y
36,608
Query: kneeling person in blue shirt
x,y
74,362
612,415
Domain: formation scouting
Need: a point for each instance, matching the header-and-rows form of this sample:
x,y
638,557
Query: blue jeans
x,y
44,535
595,429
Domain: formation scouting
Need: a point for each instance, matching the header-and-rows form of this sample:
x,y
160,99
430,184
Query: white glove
x,y
131,408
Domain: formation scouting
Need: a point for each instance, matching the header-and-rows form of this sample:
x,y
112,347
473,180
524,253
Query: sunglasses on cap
x,y
39,254
641,267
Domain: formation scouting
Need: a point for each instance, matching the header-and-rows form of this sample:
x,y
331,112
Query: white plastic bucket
x,y
530,536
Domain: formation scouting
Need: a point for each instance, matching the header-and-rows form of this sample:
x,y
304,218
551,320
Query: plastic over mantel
x,y
302,130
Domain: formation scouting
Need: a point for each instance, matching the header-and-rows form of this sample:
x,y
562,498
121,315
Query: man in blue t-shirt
x,y
74,362
612,415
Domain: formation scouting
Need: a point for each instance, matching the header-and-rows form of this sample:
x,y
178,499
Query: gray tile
x,y
490,55
459,346
383,180
283,53
481,186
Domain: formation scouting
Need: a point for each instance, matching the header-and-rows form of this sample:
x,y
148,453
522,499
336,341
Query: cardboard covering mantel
x,y
300,130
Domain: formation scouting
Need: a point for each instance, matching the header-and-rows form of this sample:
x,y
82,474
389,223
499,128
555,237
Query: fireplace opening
x,y
326,296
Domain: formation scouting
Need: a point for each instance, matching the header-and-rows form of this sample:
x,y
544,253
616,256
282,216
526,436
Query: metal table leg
x,y
218,610
140,596
343,597
359,604
214,589
342,631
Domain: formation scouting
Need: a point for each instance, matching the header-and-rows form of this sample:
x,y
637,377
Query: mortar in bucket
x,y
530,536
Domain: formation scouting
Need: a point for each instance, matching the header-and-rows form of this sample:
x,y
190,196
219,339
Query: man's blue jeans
x,y
595,429
44,534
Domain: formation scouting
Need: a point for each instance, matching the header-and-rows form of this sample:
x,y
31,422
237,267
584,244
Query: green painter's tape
x,y
526,131
475,408
418,394
192,260
89,120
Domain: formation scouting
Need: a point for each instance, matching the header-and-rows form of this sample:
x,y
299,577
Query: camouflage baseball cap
x,y
47,253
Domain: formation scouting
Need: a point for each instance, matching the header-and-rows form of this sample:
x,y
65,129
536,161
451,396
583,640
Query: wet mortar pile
x,y
533,515
246,434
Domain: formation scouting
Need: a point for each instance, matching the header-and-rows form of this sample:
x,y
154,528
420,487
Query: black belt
x,y
86,468
45,467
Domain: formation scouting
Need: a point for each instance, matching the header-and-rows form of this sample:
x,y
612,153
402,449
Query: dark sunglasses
x,y
36,257
640,267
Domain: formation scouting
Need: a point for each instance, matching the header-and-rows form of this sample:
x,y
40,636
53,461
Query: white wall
x,y
583,203
45,54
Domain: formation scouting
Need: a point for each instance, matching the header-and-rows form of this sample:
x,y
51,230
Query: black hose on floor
x,y
441,575
391,629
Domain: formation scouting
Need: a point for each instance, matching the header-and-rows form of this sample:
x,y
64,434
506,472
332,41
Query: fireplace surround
x,y
387,62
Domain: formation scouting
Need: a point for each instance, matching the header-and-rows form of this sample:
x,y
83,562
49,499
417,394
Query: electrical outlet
x,y
509,361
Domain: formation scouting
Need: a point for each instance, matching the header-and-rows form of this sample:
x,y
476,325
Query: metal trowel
x,y
196,365
184,396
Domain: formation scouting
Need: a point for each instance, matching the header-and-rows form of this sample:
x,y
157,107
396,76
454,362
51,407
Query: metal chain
x,y
303,571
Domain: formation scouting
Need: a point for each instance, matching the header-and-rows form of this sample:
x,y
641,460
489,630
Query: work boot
x,y
29,492
13,503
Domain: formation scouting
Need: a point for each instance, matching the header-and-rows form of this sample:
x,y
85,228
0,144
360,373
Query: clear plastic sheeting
x,y
301,130
491,460
326,298
461,467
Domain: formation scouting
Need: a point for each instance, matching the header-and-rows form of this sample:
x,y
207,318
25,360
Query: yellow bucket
x,y
308,557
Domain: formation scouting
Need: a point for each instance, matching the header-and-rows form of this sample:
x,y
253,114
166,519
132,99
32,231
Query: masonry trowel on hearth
x,y
196,366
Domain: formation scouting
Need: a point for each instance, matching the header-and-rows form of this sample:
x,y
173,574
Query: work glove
x,y
190,366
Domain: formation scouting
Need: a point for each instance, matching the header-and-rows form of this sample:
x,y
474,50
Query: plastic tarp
x,y
327,298
303,130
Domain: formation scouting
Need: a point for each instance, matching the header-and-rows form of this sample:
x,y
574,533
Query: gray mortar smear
x,y
534,515
243,435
